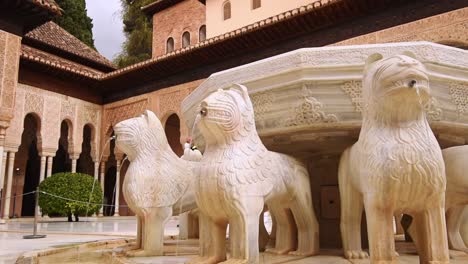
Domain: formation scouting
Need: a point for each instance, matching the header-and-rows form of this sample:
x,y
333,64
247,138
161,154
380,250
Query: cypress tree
x,y
138,32
75,20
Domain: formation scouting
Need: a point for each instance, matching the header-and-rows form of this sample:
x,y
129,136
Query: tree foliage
x,y
73,186
76,21
138,32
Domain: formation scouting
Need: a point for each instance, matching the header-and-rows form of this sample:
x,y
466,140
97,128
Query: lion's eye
x,y
412,83
203,111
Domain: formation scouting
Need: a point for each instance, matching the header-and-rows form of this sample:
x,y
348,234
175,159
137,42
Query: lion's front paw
x,y
279,251
303,253
142,253
457,253
235,261
203,260
356,254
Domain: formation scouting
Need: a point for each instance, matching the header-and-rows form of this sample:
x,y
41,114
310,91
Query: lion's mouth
x,y
410,85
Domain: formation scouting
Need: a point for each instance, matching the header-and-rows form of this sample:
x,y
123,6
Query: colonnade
x,y
7,163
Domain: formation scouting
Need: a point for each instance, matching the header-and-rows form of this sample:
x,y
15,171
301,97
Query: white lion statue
x,y
239,175
456,198
157,184
395,167
456,204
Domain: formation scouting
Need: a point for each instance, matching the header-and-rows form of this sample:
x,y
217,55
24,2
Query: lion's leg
x,y
138,246
454,221
285,235
272,240
153,238
351,214
212,241
244,229
263,235
380,230
399,228
431,235
306,222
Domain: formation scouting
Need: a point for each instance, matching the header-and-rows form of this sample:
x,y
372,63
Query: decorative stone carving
x,y
309,111
90,115
459,93
262,103
169,102
34,103
68,110
354,90
157,182
433,110
395,167
239,175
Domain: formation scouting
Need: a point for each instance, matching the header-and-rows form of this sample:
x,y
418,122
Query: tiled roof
x,y
49,5
52,35
35,55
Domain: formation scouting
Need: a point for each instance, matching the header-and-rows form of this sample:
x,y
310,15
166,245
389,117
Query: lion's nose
x,y
412,83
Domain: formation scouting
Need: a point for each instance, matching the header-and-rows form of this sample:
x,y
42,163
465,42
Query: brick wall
x,y
172,22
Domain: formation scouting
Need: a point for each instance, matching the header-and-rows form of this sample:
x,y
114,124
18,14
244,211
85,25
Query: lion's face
x,y
400,79
131,133
225,112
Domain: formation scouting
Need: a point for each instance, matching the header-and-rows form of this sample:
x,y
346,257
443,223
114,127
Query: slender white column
x,y
43,169
117,188
11,162
3,168
73,163
103,173
96,170
50,161
2,175
41,177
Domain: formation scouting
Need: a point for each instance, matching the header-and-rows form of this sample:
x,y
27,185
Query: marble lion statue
x,y
239,175
157,184
456,197
395,167
456,204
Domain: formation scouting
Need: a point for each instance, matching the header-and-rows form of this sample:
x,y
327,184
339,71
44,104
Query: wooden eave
x,y
158,6
19,17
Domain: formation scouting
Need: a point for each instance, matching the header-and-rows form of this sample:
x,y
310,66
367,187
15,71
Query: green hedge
x,y
74,186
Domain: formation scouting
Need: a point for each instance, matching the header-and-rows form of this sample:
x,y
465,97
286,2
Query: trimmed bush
x,y
73,186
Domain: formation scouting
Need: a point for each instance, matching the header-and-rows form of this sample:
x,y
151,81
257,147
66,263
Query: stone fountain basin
x,y
308,102
178,252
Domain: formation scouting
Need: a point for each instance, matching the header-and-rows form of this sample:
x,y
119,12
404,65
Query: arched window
x,y
169,45
227,10
256,4
202,33
185,39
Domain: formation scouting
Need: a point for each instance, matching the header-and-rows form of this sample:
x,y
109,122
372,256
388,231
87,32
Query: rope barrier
x,y
85,202
19,195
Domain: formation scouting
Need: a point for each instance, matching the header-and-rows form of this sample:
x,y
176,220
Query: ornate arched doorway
x,y
172,129
62,162
27,167
85,162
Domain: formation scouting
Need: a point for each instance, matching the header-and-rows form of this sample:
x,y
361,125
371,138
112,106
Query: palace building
x,y
59,99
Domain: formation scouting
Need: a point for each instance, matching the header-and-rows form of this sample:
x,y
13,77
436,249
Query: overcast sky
x,y
108,26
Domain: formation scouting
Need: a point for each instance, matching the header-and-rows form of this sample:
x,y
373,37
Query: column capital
x,y
47,153
74,156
